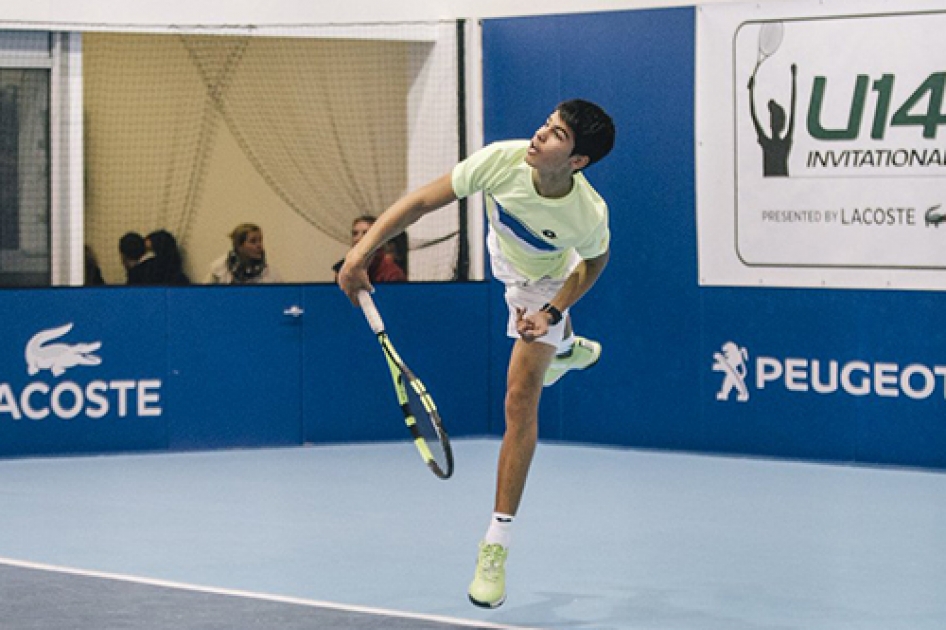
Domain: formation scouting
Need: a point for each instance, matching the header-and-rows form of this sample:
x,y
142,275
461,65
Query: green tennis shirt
x,y
535,234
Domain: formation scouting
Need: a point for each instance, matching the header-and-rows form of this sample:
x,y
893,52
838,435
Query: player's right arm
x,y
353,276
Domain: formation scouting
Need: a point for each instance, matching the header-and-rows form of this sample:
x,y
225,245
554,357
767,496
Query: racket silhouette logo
x,y
731,362
775,138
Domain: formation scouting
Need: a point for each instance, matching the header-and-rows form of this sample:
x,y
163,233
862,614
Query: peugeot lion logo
x,y
731,361
58,357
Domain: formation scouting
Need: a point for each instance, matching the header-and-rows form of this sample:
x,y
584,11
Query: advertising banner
x,y
821,133
83,371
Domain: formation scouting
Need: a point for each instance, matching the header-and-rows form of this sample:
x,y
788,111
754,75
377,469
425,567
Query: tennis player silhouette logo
x,y
41,354
776,142
731,361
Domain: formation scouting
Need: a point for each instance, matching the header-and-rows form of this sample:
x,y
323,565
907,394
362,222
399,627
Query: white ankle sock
x,y
500,530
565,346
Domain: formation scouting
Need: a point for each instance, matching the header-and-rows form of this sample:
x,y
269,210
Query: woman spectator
x,y
246,262
168,266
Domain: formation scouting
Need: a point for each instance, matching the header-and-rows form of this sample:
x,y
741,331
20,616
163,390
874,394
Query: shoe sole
x,y
477,602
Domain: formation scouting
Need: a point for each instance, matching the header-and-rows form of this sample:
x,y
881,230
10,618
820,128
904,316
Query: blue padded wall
x,y
639,66
217,367
655,385
225,367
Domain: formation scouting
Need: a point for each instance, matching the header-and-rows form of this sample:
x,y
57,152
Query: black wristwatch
x,y
556,315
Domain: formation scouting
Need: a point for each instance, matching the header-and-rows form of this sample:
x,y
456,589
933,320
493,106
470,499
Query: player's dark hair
x,y
592,127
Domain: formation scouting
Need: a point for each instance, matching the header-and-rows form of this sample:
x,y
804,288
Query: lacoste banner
x,y
821,132
77,381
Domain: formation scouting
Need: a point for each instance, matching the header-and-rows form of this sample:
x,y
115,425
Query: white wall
x,y
35,14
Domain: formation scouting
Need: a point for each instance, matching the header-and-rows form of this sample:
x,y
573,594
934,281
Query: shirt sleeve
x,y
597,242
484,168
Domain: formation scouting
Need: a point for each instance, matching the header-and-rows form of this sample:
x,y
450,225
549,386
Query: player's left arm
x,y
534,325
584,277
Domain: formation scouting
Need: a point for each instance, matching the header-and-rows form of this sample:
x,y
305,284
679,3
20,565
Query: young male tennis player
x,y
548,242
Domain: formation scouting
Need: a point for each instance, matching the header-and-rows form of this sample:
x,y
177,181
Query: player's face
x,y
552,145
252,247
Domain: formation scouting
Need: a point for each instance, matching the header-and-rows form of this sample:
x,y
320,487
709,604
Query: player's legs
x,y
527,367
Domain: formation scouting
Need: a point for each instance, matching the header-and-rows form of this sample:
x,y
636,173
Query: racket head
x,y
770,38
420,414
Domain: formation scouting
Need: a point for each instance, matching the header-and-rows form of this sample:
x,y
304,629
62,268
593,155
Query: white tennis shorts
x,y
532,295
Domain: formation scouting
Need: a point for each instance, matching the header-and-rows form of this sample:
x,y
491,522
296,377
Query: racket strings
x,y
770,38
427,426
420,413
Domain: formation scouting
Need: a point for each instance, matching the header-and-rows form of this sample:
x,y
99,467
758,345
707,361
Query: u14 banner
x,y
822,145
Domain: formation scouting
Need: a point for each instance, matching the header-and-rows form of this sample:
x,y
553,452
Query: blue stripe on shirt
x,y
520,230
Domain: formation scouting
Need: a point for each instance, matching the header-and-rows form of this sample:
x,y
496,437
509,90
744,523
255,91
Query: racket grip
x,y
371,312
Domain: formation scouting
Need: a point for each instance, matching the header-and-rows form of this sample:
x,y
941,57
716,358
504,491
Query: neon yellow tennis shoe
x,y
583,354
488,588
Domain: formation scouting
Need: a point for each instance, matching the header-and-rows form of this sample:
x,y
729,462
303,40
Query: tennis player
x,y
548,242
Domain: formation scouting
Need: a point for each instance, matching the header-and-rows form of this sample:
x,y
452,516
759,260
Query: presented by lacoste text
x,y
845,216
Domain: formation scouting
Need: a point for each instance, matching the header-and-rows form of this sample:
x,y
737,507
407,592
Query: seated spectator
x,y
383,266
137,260
398,248
168,263
246,262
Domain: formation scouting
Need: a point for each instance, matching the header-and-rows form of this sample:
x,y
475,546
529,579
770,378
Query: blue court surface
x,y
363,536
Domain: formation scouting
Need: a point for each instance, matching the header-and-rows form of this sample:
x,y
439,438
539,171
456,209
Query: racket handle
x,y
371,312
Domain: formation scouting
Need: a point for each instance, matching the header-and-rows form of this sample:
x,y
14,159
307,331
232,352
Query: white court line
x,y
260,596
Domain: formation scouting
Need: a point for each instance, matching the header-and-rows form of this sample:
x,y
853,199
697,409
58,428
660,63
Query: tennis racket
x,y
420,412
770,38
